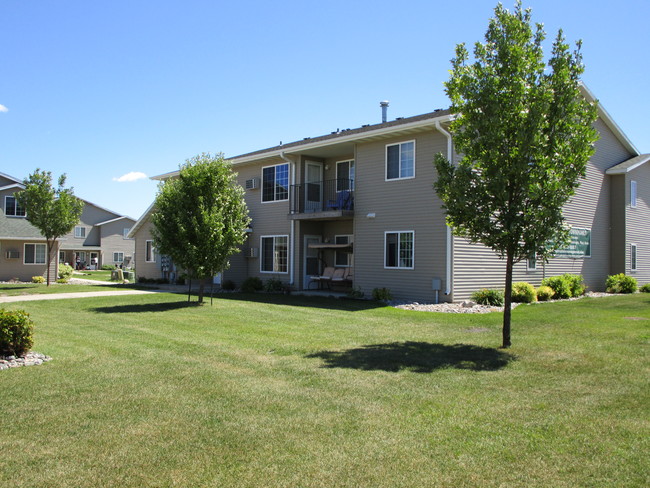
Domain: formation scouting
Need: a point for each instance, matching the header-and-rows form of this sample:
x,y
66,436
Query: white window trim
x,y
351,164
634,251
125,232
25,254
633,194
262,253
79,228
118,260
153,252
15,206
350,240
412,232
262,183
386,178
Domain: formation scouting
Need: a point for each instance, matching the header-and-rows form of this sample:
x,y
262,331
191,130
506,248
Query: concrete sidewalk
x,y
86,294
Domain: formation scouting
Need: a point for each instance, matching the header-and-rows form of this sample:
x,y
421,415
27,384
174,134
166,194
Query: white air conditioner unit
x,y
252,184
251,252
13,254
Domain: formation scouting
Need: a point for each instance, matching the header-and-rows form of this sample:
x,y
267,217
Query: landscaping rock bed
x,y
29,359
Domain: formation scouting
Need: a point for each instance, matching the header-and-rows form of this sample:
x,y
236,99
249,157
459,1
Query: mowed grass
x,y
304,392
95,275
16,289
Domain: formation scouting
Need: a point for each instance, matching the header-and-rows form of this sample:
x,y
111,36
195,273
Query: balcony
x,y
322,200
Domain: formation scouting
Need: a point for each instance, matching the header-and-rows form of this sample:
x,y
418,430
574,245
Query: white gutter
x,y
293,222
448,276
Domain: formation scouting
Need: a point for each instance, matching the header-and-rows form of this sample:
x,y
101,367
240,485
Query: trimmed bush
x,y
544,293
16,332
560,285
621,283
486,296
228,285
382,294
252,284
523,292
108,267
273,285
65,272
576,284
645,288
38,279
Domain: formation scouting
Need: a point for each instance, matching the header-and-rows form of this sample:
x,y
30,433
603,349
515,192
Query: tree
x,y
200,218
525,134
54,211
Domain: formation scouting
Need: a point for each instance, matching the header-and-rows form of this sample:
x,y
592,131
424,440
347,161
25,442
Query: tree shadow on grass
x,y
418,357
325,302
146,307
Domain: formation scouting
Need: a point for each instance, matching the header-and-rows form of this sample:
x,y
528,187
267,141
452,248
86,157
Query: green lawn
x,y
14,289
99,275
296,392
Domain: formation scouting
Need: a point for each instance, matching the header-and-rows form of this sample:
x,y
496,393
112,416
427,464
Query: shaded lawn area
x,y
10,289
311,392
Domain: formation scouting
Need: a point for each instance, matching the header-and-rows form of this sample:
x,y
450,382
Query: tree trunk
x,y
507,301
189,289
201,289
49,260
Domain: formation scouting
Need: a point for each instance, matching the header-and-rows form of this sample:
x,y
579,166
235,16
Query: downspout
x,y
448,276
293,222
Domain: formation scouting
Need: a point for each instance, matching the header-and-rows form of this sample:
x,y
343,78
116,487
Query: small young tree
x,y
54,211
525,134
200,218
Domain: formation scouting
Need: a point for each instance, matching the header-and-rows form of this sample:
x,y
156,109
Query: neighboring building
x,y
364,199
101,235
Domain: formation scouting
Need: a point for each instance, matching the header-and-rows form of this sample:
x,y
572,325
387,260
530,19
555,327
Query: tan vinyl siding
x,y
638,223
15,268
144,268
112,240
617,219
90,216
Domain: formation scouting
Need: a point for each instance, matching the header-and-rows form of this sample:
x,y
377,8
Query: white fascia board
x,y
622,170
13,185
140,221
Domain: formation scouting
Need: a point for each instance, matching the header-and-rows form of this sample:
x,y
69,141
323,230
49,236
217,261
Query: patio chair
x,y
326,277
343,201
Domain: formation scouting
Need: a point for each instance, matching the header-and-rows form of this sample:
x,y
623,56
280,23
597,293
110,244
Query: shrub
x,y
228,285
545,293
65,272
273,285
621,283
16,332
576,284
645,288
382,294
488,296
560,285
252,284
523,292
62,281
108,267
38,279
355,292
161,281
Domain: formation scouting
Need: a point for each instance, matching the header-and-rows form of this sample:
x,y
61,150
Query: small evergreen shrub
x,y
645,288
487,296
62,281
560,285
523,292
16,332
621,283
65,272
38,279
544,293
228,285
252,284
382,294
108,267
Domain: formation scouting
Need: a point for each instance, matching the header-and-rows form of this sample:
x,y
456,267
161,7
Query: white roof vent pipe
x,y
384,111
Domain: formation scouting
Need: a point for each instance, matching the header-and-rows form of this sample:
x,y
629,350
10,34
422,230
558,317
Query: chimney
x,y
384,110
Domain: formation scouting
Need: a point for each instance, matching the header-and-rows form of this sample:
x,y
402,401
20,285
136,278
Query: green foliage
x,y
228,285
576,284
645,288
621,283
65,272
62,281
382,294
108,267
545,293
54,211
560,285
273,285
523,292
356,292
252,284
38,279
488,296
200,217
16,332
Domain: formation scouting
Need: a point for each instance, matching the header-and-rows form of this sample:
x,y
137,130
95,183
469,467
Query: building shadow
x,y
418,357
146,307
325,302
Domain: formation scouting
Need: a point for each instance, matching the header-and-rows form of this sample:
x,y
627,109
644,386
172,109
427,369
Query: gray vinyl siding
x,y
617,220
399,205
143,268
112,240
638,223
90,216
476,267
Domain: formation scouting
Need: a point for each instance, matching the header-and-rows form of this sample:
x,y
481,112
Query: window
x,y
125,232
13,208
35,253
400,160
632,257
633,194
149,252
531,263
80,232
118,257
275,183
342,259
275,256
398,248
61,256
345,175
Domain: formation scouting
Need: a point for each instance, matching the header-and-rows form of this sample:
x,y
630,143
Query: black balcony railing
x,y
322,196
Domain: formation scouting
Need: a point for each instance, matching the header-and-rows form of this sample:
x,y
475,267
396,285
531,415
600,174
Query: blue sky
x,y
99,90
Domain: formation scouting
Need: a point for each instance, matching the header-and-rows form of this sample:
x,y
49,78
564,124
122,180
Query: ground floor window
x,y
118,257
35,253
61,256
275,255
531,264
399,249
342,259
633,257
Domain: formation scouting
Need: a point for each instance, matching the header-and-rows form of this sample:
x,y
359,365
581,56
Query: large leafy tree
x,y
200,217
54,211
525,134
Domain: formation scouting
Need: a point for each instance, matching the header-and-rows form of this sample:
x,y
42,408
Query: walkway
x,y
83,294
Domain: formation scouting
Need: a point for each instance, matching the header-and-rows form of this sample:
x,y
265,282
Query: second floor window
x,y
633,194
275,183
80,232
13,208
345,175
149,252
400,160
